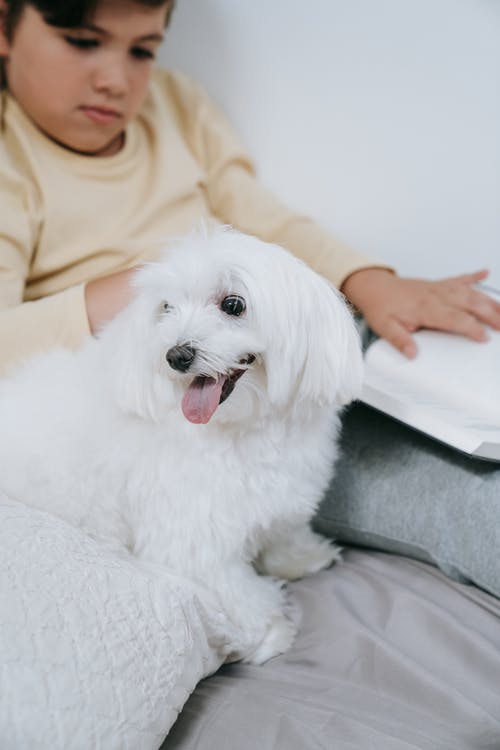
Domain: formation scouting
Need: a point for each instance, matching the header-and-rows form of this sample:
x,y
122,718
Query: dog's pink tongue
x,y
202,399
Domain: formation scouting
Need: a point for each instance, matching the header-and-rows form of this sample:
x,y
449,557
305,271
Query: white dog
x,y
198,430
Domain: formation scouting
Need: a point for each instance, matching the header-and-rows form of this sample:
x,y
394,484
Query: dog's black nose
x,y
181,357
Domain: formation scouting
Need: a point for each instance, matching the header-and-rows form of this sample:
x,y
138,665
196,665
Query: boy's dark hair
x,y
63,13
66,14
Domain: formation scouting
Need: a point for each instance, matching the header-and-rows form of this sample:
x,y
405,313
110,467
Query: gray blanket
x,y
391,655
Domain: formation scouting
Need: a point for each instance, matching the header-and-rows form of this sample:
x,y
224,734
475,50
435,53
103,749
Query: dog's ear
x,y
132,357
317,356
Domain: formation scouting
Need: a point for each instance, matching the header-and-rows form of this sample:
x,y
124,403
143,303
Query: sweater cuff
x,y
38,326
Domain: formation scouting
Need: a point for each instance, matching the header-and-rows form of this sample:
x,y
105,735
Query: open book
x,y
451,391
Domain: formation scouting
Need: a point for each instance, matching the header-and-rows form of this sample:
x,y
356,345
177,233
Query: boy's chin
x,y
96,149
112,147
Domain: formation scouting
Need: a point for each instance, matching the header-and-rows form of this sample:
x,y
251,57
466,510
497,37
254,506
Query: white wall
x,y
381,118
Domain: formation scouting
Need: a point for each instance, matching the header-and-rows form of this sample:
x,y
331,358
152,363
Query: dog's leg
x,y
256,605
295,551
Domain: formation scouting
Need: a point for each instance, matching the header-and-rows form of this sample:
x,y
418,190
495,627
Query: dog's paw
x,y
314,558
278,639
300,554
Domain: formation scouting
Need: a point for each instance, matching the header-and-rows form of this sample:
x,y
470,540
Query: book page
x,y
451,388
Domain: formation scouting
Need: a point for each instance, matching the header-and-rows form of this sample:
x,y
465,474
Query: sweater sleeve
x,y
236,197
30,327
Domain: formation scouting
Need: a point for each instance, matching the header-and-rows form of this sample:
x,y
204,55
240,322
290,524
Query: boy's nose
x,y
111,77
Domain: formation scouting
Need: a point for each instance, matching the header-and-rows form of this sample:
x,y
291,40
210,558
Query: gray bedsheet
x,y
391,655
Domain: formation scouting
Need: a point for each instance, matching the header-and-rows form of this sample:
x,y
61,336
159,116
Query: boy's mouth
x,y
100,115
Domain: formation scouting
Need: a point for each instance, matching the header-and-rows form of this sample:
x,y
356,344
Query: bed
x,y
391,655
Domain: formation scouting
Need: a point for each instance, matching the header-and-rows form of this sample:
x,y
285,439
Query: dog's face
x,y
227,328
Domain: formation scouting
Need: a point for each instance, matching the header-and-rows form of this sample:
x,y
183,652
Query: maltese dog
x,y
197,431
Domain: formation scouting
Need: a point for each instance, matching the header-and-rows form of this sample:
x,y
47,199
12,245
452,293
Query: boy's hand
x,y
106,296
395,307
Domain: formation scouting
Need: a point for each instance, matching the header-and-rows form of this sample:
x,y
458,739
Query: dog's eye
x,y
233,305
165,307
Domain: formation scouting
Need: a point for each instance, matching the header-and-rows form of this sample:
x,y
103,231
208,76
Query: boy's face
x,y
82,86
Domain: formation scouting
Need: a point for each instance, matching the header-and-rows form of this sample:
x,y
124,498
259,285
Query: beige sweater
x,y
66,218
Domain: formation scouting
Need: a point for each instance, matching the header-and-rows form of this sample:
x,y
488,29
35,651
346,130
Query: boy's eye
x,y
82,42
86,43
141,53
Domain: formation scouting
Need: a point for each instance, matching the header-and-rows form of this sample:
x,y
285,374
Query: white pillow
x,y
95,652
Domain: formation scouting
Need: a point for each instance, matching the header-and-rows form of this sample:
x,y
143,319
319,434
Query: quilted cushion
x,y
96,652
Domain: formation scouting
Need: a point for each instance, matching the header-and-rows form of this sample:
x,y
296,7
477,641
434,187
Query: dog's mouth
x,y
204,394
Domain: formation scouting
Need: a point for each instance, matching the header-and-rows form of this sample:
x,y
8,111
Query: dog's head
x,y
227,327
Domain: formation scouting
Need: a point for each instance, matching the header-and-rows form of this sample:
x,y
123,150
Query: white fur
x,y
98,437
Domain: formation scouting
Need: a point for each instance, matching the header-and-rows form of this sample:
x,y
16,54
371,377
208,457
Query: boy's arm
x,y
30,328
62,319
27,328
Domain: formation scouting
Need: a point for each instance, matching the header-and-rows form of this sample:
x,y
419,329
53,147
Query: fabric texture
x,y
398,490
68,218
97,653
390,655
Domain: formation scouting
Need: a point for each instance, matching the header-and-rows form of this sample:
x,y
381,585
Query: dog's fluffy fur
x,y
136,452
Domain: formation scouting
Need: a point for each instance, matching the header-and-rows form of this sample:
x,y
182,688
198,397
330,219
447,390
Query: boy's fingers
x,y
484,309
397,335
460,298
454,320
471,278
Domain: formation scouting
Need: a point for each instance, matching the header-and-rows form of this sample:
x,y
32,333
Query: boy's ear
x,y
4,44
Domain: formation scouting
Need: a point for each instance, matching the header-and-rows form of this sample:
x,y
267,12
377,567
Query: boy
x,y
78,104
